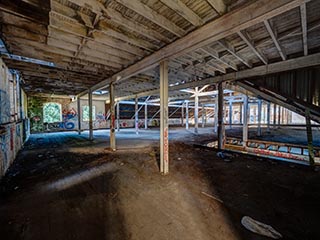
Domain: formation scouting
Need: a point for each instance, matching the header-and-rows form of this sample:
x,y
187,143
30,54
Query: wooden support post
x,y
164,132
268,116
118,116
274,114
136,116
279,116
146,116
196,110
182,114
240,113
187,114
112,118
221,129
309,137
79,115
216,106
245,121
90,116
230,114
259,133
202,116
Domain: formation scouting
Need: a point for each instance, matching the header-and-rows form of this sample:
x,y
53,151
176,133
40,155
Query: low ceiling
x,y
86,42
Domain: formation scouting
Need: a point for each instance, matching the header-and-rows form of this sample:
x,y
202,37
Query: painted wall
x,y
13,125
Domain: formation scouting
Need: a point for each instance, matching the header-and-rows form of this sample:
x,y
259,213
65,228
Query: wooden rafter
x,y
303,13
244,36
274,39
218,5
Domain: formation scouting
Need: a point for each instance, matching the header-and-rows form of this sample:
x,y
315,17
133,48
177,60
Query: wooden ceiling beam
x,y
274,39
185,12
218,29
153,16
209,51
218,5
244,36
303,15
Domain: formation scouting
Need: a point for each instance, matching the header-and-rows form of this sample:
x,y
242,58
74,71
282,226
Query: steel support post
x,y
112,118
164,131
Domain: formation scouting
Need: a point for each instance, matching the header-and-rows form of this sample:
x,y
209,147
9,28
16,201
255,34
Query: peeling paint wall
x,y
13,124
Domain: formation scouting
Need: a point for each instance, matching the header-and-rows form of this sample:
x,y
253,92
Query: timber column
x,y
90,116
164,131
112,119
221,128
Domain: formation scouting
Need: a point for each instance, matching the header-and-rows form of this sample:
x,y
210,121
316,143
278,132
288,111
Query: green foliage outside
x,y
51,112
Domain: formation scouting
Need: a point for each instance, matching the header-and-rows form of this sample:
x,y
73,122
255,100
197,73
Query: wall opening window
x,y
85,113
52,112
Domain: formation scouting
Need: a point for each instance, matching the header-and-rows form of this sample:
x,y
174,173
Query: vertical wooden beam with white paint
x,y
274,115
146,116
90,116
187,114
136,115
245,121
79,115
202,116
196,110
259,132
118,116
112,118
164,131
221,128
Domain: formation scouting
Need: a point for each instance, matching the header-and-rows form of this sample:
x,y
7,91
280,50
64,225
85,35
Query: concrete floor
x,y
64,187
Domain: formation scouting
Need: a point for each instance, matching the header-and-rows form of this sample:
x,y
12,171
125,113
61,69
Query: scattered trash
x,y
179,159
260,228
121,164
213,197
40,155
16,187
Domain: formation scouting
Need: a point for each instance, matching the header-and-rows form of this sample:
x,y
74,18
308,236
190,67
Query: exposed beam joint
x,y
275,40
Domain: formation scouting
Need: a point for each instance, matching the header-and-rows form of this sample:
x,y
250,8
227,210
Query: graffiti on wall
x,y
69,119
4,107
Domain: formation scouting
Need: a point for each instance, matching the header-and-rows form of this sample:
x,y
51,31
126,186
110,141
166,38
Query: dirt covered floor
x,y
64,187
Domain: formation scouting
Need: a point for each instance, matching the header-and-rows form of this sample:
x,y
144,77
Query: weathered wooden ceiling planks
x,y
95,39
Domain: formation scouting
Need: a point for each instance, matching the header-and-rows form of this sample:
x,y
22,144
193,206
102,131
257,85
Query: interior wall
x,y
13,123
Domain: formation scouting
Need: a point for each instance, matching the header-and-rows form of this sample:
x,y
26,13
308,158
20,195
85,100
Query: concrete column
x,y
146,116
182,114
90,116
268,116
203,116
118,116
216,106
221,129
112,119
259,133
230,114
164,131
245,121
79,115
196,111
136,116
187,114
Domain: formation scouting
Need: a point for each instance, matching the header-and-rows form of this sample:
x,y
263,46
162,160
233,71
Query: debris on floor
x,y
260,228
